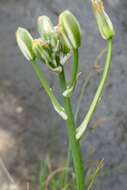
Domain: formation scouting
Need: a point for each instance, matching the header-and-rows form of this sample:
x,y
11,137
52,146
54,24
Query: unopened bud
x,y
103,21
25,40
45,27
64,48
70,29
41,50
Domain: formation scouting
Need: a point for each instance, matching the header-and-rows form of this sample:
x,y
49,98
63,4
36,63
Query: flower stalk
x,y
98,95
74,75
74,144
44,83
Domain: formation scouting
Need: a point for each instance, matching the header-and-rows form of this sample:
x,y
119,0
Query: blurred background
x,y
29,128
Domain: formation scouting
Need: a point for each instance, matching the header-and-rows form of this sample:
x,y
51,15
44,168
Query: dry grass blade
x,y
55,172
96,173
95,70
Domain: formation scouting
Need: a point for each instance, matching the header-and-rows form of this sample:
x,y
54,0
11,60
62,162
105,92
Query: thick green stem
x,y
74,144
81,129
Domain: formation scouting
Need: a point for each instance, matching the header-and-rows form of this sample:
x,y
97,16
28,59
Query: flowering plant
x,y
52,48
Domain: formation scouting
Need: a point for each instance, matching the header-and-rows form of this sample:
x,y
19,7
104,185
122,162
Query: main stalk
x,y
74,144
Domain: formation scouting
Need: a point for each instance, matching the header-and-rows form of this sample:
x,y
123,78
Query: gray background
x,y
29,127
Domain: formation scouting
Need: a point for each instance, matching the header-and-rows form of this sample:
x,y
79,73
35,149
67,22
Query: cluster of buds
x,y
55,42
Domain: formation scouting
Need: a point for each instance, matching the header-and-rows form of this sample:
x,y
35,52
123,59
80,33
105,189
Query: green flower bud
x,y
25,40
70,29
54,41
41,50
63,47
45,27
103,21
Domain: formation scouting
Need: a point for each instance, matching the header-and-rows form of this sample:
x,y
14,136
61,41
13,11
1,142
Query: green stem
x,y
74,144
74,67
74,74
68,162
81,129
44,83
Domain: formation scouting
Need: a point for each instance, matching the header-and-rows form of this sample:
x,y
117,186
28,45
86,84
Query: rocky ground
x,y
29,127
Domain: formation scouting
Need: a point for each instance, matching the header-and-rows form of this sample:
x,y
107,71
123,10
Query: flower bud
x,y
63,47
54,41
103,21
25,40
70,29
45,27
41,50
